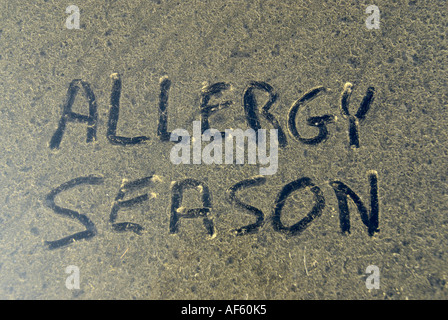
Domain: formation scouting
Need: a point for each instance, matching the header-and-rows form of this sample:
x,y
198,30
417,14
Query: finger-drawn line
x,y
315,212
231,195
69,115
319,122
162,129
207,110
342,192
114,114
250,109
365,104
72,214
128,226
119,203
359,115
177,191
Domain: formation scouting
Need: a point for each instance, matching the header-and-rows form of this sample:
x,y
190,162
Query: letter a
x,y
72,21
373,21
69,115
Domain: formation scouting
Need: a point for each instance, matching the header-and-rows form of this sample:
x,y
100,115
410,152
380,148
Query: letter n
x,y
342,192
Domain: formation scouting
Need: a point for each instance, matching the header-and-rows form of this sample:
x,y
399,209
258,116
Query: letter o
x,y
315,212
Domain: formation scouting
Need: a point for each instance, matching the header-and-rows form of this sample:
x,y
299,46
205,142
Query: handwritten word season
x,y
370,218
